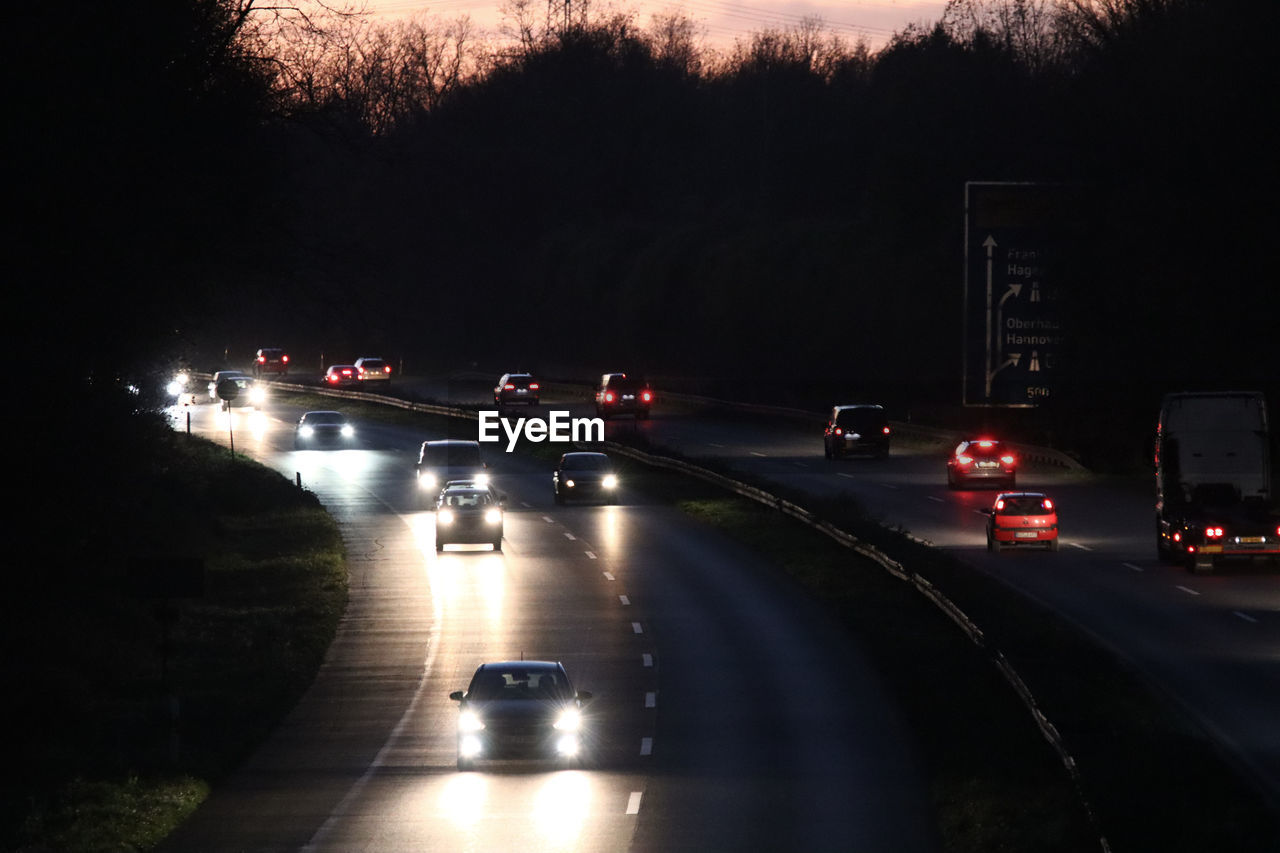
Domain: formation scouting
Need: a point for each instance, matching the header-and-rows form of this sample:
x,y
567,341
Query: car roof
x,y
272,349
322,412
370,358
340,366
582,454
1004,495
841,408
452,442
532,665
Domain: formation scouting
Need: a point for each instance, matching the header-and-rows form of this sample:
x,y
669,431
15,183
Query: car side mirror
x,y
986,510
456,695
584,696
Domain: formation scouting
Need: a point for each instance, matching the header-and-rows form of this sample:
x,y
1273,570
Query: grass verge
x,y
133,703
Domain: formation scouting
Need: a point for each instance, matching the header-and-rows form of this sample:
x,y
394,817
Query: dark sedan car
x,y
468,514
584,475
620,394
517,388
520,709
323,429
982,460
856,429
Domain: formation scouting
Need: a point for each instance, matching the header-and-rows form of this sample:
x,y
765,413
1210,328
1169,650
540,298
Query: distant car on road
x,y
520,709
249,395
517,388
857,428
620,394
584,475
468,515
323,429
1022,519
450,459
981,460
373,371
270,361
341,376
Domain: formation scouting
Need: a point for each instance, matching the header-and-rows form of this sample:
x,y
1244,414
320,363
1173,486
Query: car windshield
x,y
862,420
467,498
491,685
325,417
451,456
1024,505
371,364
985,448
591,462
626,386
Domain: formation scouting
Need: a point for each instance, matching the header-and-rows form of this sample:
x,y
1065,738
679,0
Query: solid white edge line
x,y
646,746
1187,590
633,803
935,498
1078,545
1245,616
847,476
758,453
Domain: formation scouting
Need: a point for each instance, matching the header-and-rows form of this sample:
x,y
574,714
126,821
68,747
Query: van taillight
x,y
647,396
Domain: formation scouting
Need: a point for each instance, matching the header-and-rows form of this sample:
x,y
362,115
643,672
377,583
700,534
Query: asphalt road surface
x,y
729,712
1210,643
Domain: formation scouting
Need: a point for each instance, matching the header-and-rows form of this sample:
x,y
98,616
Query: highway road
x,y
1211,643
729,712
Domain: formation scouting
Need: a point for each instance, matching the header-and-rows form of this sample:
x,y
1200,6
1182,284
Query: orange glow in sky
x,y
721,21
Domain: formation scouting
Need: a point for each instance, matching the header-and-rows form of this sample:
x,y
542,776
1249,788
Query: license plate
x,y
1211,549
988,465
1253,540
1025,534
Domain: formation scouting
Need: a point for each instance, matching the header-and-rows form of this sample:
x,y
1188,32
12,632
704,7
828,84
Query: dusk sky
x,y
722,21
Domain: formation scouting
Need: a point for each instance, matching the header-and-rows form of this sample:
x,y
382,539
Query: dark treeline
x,y
595,192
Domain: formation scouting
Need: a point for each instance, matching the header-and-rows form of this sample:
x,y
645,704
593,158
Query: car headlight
x,y
427,480
257,395
610,481
570,720
469,721
482,480
568,484
307,431
493,515
348,430
174,388
444,516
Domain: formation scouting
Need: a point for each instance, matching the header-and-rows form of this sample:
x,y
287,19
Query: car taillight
x,y
333,378
508,387
986,443
1048,505
1213,532
386,368
839,431
964,460
533,386
885,430
999,505
1007,459
262,359
608,396
647,396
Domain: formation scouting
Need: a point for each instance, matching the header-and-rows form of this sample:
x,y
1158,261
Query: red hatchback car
x,y
1022,519
981,460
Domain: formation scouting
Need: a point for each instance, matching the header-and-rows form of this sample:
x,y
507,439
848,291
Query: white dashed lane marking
x,y
1245,616
1188,590
633,803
